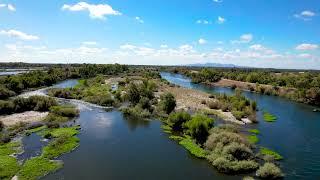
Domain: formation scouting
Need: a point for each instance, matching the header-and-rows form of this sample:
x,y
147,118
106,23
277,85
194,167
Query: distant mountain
x,y
213,65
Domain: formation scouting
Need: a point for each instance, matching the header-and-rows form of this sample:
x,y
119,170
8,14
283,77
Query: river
x,y
295,135
113,147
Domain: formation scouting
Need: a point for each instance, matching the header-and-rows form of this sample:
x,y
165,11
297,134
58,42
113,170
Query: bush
x,y
269,171
223,139
198,127
238,114
167,102
136,112
66,111
238,151
226,166
177,119
33,103
5,93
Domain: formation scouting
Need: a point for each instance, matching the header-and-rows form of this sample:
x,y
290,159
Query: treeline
x,y
15,84
305,86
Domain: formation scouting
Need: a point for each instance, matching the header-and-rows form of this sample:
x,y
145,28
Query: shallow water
x,y
295,135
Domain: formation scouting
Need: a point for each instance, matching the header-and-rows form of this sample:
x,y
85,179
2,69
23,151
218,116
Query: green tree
x,y
168,102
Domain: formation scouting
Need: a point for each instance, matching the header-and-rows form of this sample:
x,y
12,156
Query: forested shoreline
x,y
301,86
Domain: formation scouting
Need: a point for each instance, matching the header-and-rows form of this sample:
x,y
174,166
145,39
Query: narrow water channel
x,y
295,135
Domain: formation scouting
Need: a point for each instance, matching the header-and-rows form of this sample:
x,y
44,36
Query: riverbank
x,y
24,117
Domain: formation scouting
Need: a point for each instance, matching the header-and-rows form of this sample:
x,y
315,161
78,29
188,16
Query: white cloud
x,y
217,1
96,11
202,41
306,46
221,20
261,48
305,55
305,15
19,35
139,19
245,38
10,7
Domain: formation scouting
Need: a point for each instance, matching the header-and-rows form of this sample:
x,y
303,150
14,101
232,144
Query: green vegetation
x,y
37,129
269,171
37,167
140,94
166,129
268,152
91,90
8,165
12,85
176,138
253,139
254,131
60,145
193,148
230,152
269,117
198,127
167,103
176,120
302,87
33,103
64,110
237,104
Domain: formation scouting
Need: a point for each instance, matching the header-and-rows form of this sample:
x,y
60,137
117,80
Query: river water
x,y
295,135
113,147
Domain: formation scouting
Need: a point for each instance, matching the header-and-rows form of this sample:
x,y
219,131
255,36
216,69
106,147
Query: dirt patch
x,y
193,100
28,117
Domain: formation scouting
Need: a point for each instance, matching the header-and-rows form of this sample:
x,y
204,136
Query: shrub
x,y
133,93
144,103
269,171
238,151
223,139
226,166
33,103
238,114
66,111
167,102
177,119
5,93
136,112
198,127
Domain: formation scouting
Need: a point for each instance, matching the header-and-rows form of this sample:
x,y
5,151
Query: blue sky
x,y
258,33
